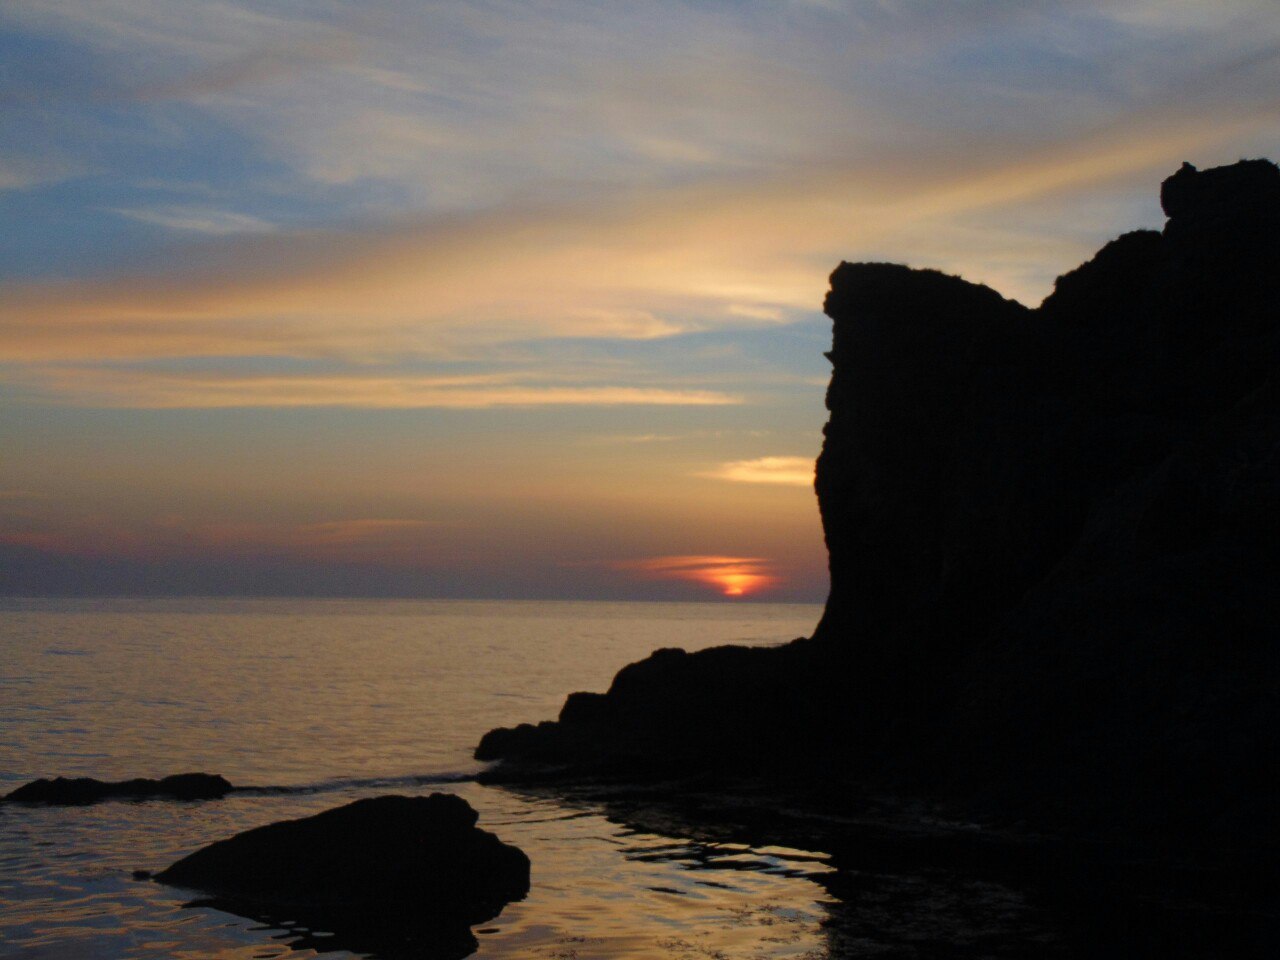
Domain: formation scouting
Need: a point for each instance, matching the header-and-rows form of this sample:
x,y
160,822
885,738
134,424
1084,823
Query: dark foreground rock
x,y
1054,540
392,875
66,791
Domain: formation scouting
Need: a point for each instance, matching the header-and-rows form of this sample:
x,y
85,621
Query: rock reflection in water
x,y
881,894
405,936
603,888
894,881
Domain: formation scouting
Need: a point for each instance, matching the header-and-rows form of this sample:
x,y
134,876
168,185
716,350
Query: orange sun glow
x,y
731,576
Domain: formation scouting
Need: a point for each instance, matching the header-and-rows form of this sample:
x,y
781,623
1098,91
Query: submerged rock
x,y
67,791
1054,540
386,873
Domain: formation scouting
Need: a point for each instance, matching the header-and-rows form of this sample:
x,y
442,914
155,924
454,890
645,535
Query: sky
x,y
523,299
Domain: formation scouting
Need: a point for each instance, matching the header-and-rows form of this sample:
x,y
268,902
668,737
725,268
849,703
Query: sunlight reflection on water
x,y
353,697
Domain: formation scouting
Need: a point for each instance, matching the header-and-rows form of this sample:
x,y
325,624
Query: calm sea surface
x,y
345,699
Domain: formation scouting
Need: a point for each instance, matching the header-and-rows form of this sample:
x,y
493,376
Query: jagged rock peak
x,y
1248,188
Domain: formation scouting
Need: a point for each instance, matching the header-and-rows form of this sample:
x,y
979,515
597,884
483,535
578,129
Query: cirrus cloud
x,y
145,389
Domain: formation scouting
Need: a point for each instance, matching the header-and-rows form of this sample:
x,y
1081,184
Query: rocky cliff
x,y
1053,548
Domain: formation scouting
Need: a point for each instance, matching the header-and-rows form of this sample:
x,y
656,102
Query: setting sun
x,y
736,581
731,576
738,584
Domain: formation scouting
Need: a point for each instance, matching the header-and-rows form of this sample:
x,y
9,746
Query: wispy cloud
x,y
685,436
463,107
145,389
642,266
204,220
15,177
641,438
22,173
788,471
258,67
581,184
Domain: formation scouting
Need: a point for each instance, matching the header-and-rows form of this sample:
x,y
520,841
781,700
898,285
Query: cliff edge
x,y
1053,540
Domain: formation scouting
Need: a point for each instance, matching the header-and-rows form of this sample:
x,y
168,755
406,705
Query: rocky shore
x,y
1054,540
70,791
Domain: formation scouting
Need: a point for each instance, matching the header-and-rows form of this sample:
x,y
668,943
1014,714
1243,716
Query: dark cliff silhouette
x,y
1053,551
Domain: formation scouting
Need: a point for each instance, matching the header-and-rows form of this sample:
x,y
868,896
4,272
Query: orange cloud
x,y
632,266
732,576
790,471
111,387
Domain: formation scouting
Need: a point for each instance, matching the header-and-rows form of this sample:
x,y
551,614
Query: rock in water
x,y
386,874
67,791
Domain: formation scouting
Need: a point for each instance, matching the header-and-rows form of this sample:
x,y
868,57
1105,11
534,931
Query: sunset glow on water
x,y
347,699
337,700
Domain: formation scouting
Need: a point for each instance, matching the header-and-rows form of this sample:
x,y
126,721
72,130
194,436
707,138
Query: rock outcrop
x,y
1054,540
386,874
65,791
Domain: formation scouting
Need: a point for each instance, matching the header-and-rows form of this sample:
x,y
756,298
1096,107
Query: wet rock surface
x,y
79,790
1054,540
391,875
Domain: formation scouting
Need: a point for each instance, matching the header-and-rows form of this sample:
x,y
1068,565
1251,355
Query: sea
x,y
315,703
335,700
